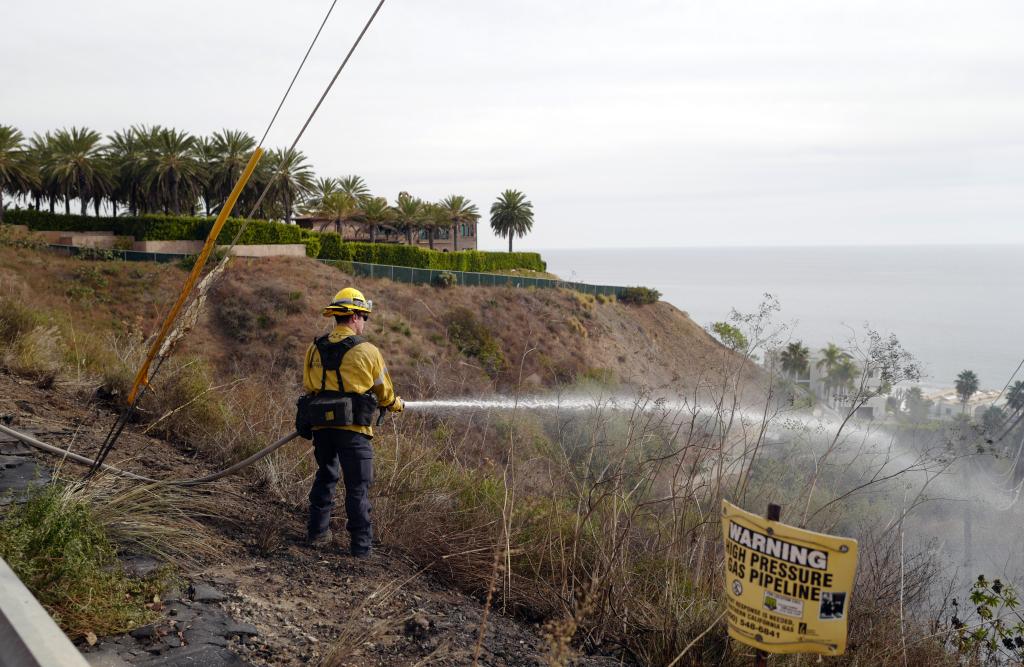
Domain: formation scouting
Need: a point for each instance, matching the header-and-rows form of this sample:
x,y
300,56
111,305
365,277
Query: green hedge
x,y
423,258
327,245
159,227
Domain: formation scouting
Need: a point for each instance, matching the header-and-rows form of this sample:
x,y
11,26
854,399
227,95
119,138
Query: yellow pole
x,y
142,377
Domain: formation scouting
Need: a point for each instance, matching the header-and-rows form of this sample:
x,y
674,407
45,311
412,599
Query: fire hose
x,y
213,477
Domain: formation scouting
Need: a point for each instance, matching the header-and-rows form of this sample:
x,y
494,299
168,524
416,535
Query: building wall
x,y
444,240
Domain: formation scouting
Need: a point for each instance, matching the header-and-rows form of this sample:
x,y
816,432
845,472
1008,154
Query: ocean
x,y
953,307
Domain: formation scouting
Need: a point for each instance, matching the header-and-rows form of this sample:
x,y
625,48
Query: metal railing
x,y
28,636
408,274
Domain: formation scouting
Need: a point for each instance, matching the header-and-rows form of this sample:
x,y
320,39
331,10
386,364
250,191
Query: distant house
x,y
351,231
946,404
814,380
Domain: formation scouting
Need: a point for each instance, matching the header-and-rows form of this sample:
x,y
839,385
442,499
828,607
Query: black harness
x,y
334,408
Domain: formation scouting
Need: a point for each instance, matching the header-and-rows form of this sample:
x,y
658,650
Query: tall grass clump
x,y
30,345
63,542
58,547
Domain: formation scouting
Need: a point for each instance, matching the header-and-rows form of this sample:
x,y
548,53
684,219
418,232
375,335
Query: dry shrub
x,y
30,345
475,340
576,327
186,404
14,237
622,513
36,355
287,473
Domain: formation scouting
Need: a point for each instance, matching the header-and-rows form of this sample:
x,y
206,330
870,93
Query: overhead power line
x,y
118,426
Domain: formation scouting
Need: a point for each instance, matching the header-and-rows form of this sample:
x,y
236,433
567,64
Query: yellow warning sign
x,y
788,589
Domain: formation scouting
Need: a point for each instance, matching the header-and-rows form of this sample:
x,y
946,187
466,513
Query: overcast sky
x,y
643,123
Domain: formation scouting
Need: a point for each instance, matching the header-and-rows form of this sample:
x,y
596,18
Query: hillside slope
x,y
73,336
263,313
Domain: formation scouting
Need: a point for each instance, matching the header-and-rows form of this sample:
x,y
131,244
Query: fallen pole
x,y
83,460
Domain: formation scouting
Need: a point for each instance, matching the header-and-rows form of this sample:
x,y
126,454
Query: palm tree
x,y
376,212
355,187
409,214
458,211
126,154
434,217
18,175
321,191
174,172
73,163
103,185
831,357
511,215
843,375
40,146
206,153
148,196
966,385
232,150
1015,396
291,178
795,359
337,207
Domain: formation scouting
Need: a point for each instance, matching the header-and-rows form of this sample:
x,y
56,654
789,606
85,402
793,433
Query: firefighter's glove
x,y
397,406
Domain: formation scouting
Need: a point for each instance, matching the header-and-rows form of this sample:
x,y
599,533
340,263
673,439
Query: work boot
x,y
362,555
322,540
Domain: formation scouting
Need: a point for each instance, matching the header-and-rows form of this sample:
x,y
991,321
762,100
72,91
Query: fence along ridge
x,y
406,274
419,275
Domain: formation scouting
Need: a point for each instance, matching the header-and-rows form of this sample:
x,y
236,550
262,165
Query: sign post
x,y
788,589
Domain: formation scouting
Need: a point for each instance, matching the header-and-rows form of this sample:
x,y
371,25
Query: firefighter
x,y
347,385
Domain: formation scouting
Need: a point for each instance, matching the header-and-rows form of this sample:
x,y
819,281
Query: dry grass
x,y
611,532
365,624
63,543
156,519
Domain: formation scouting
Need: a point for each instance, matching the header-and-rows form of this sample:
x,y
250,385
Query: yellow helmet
x,y
348,301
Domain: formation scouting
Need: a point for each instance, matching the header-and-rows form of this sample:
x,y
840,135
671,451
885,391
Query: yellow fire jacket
x,y
362,370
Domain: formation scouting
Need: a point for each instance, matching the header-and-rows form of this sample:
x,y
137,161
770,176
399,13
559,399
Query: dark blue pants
x,y
346,454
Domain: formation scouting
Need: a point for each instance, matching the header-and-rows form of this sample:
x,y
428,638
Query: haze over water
x,y
954,307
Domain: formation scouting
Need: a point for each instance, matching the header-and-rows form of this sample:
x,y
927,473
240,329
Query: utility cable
x,y
1008,382
123,419
296,76
309,119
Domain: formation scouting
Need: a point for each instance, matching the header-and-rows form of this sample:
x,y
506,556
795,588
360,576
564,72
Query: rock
x,y
90,638
197,656
145,632
205,593
237,628
179,611
418,626
200,637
